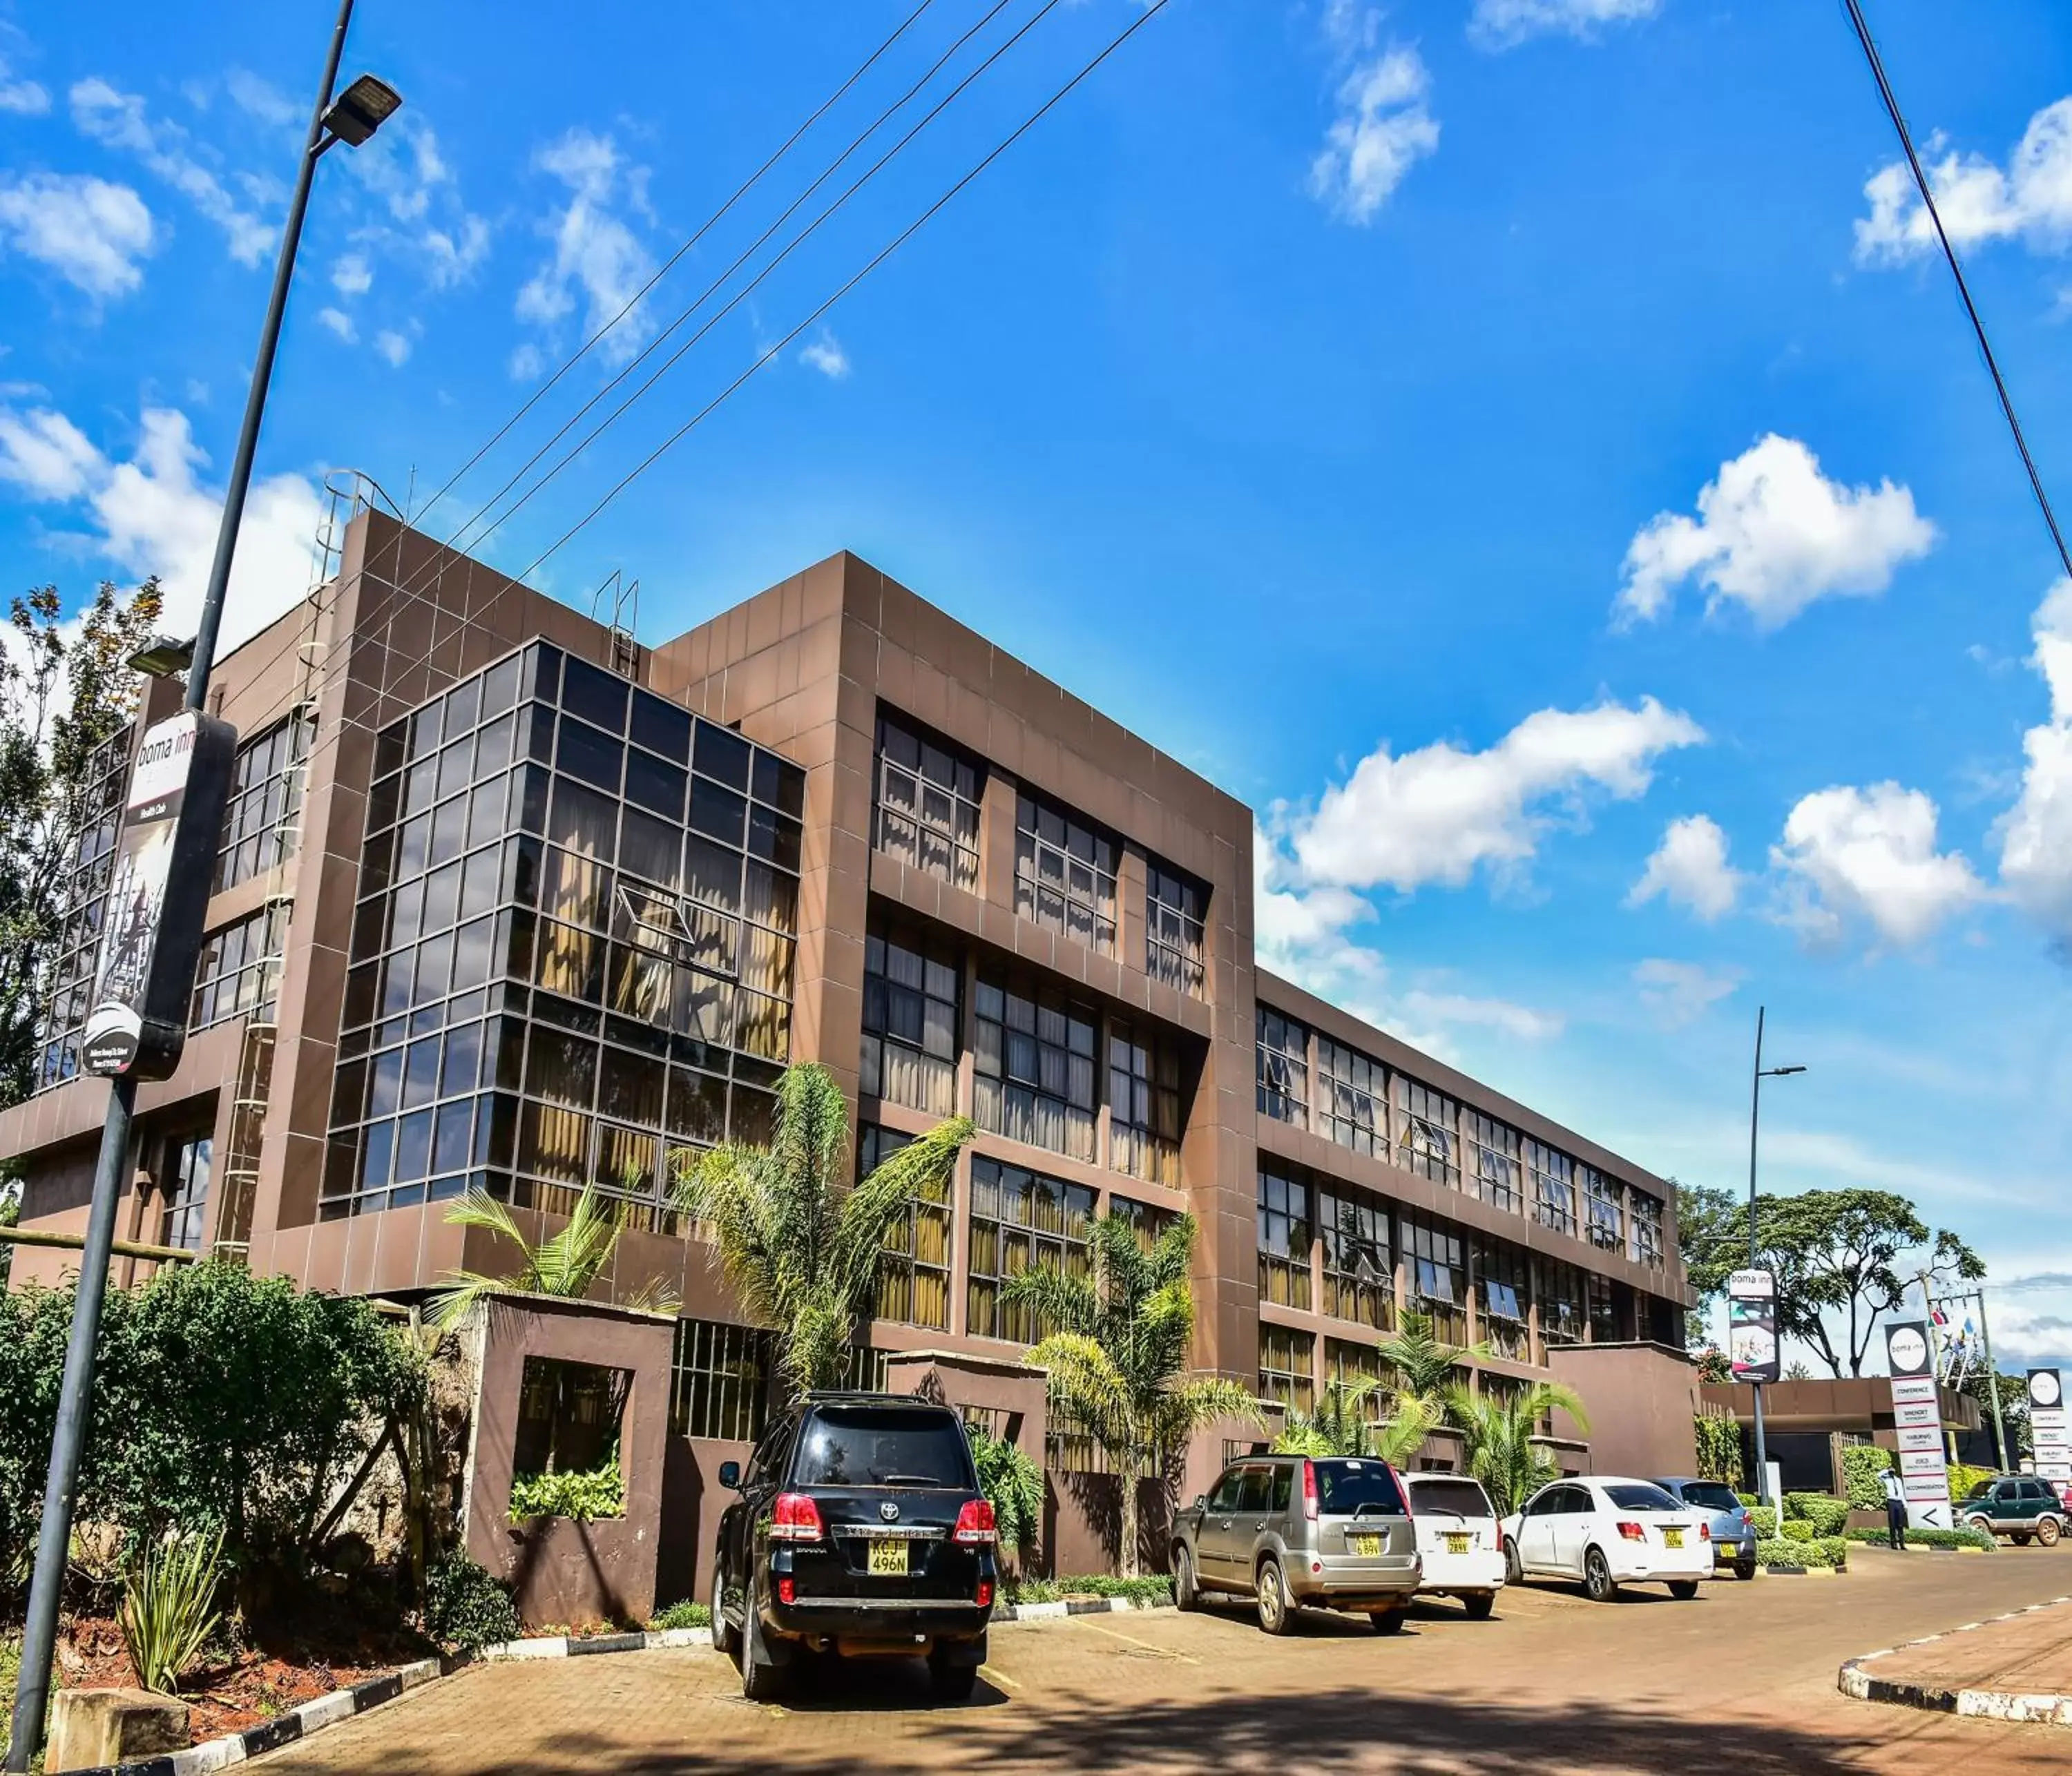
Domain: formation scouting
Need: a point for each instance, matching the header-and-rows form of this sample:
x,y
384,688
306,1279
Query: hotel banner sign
x,y
1916,1407
1752,1340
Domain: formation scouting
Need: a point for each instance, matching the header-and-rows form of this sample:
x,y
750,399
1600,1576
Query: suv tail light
x,y
795,1517
1632,1532
1704,1532
1309,1491
975,1526
1402,1491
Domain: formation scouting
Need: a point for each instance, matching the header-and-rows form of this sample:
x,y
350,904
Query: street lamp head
x,y
1784,1072
361,109
164,657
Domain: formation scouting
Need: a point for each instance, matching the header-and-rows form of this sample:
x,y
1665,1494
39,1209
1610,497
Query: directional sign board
x,y
2051,1436
1924,1474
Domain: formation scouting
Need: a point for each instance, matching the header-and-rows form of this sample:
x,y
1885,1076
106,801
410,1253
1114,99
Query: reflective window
x,y
1558,1290
263,819
184,1184
914,1269
1144,1103
1064,873
1644,1222
1352,1098
1284,1240
1427,1138
1601,1203
1359,1275
1020,1220
909,1023
926,807
1496,1165
239,974
1436,1259
1033,1068
83,895
1553,1178
1175,907
1284,1067
1503,1296
1287,1368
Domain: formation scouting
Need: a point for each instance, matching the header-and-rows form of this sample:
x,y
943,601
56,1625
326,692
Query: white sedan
x,y
1458,1541
1608,1532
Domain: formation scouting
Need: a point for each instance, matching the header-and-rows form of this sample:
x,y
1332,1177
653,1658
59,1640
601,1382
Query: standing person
x,y
1895,1511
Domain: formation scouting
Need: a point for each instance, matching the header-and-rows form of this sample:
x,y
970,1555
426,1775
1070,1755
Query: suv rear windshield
x,y
1710,1494
1640,1497
882,1447
1459,1497
1346,1488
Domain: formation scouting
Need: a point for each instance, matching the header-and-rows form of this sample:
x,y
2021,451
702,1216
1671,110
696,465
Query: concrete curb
x,y
2046,1708
1780,1570
297,1723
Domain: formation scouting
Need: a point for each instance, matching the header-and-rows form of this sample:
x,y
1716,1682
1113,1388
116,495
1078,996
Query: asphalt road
x,y
1742,1679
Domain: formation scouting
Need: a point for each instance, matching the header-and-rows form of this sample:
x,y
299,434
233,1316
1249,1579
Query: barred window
x,y
1352,1098
1284,1240
1644,1218
1553,1187
1020,1220
913,1269
1601,1200
1064,874
927,810
1284,1067
1427,1140
1504,1293
1144,1103
240,972
1359,1275
102,794
1033,1066
1287,1368
1438,1260
1558,1290
1175,907
185,1185
720,1380
261,822
909,1024
1497,1172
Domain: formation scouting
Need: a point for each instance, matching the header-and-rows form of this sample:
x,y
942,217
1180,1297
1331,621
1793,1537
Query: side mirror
x,y
730,1475
1200,1501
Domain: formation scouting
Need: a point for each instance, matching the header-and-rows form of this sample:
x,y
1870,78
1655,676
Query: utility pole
x,y
1755,1258
1992,1371
351,118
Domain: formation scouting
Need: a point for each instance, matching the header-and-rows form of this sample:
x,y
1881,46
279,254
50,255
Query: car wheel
x,y
1388,1622
2019,1537
1479,1605
1982,1524
1683,1590
1185,1594
1514,1569
1277,1613
2047,1531
760,1680
948,1683
723,1633
1597,1580
1744,1569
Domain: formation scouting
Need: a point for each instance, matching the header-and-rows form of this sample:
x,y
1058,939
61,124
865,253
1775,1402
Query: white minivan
x,y
1459,1540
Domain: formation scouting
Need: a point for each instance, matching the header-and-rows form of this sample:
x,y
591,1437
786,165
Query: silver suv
x,y
1291,1531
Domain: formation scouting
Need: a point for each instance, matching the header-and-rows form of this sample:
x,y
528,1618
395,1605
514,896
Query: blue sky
x,y
1522,446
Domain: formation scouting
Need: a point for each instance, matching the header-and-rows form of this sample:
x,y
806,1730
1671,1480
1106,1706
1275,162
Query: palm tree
x,y
800,1246
1117,1355
1424,1368
1497,1432
566,1264
1342,1425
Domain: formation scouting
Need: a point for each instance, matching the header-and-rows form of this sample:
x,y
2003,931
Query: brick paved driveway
x,y
1743,1679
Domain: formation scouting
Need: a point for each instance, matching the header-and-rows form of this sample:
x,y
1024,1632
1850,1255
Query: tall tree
x,y
1704,1213
799,1245
1425,1366
65,687
1843,1260
1118,1355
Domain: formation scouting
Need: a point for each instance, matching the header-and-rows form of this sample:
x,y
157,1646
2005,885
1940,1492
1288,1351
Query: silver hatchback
x,y
1291,1531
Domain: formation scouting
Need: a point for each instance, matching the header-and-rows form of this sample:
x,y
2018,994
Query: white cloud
x,y
1680,993
2029,199
826,356
339,322
1773,534
527,362
1520,1021
118,120
261,99
1438,814
1852,856
596,256
90,232
452,254
1690,869
2036,835
1383,127
351,275
1503,24
21,98
393,345
152,515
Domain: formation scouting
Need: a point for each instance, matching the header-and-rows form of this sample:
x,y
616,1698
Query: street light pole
x,y
1755,1260
351,118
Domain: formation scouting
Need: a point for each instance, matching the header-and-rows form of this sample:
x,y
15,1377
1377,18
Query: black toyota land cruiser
x,y
860,1529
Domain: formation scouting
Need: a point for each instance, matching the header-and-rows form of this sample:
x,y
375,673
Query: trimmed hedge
x,y
1863,1467
1926,1538
1828,1516
1763,1520
1157,1588
1825,1551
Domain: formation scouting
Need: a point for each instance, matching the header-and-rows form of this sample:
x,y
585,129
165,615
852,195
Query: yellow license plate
x,y
1457,1544
1365,1544
889,1558
1672,1538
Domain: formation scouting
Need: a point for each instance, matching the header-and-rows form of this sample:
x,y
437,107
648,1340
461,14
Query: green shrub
x,y
682,1615
1863,1467
466,1608
1826,1515
1796,1529
1963,1478
1816,1551
1022,1590
1762,1518
168,1609
1926,1538
1153,1588
580,1495
1013,1485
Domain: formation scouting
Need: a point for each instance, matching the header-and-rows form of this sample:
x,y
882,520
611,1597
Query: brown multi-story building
x,y
506,898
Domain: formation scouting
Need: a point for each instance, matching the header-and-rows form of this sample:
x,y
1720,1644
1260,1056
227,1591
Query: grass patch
x,y
685,1614
1155,1588
10,1666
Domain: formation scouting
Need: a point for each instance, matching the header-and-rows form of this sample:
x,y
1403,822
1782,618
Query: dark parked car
x,y
1733,1531
1288,1531
2016,1505
860,1531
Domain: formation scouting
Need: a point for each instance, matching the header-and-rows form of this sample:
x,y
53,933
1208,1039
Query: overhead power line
x,y
1870,49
